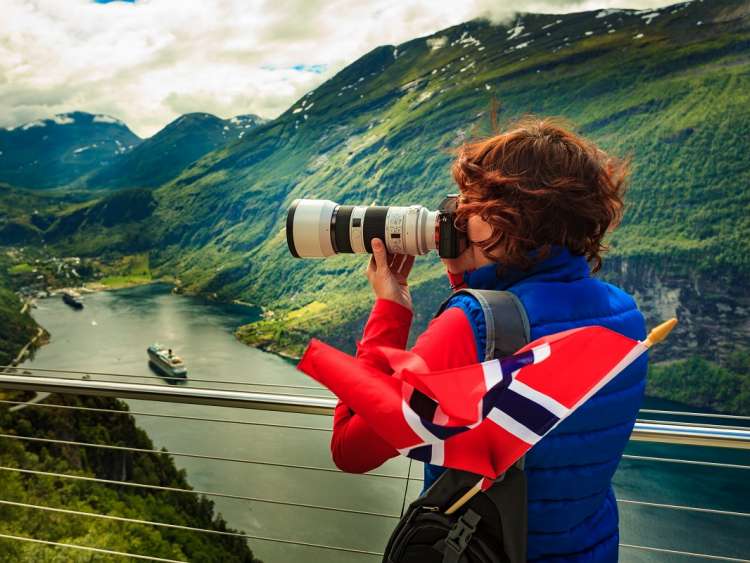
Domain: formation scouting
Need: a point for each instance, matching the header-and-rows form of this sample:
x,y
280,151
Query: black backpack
x,y
492,526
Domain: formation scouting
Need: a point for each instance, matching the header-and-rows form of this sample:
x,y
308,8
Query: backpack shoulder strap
x,y
505,319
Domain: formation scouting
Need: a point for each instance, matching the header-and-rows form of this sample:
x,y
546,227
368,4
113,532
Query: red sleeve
x,y
448,342
388,325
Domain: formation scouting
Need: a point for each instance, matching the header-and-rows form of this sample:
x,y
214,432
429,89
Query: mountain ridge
x,y
52,152
86,151
169,151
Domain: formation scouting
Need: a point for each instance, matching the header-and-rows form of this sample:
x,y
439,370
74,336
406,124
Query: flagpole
x,y
466,497
656,335
660,332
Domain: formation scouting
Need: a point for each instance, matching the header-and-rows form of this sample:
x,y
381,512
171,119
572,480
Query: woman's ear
x,y
478,229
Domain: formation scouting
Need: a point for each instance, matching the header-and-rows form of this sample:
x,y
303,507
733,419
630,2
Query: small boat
x,y
166,362
72,299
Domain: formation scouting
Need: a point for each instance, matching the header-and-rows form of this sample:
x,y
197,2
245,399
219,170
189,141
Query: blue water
x,y
111,335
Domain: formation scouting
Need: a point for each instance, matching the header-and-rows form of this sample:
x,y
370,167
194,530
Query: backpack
x,y
492,526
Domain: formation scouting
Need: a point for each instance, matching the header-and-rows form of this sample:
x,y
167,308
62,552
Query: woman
x,y
536,202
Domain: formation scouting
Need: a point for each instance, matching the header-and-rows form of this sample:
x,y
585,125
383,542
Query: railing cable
x,y
686,461
184,454
698,414
194,492
119,518
700,424
170,386
685,553
164,415
317,545
8,369
90,549
685,508
179,527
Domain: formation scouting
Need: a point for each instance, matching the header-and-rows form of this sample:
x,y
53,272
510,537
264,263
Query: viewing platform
x,y
280,492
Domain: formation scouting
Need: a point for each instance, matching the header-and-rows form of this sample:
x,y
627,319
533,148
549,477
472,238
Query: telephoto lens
x,y
317,228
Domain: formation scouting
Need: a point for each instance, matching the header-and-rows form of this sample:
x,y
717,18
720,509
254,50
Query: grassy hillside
x,y
154,469
16,329
675,99
379,131
700,383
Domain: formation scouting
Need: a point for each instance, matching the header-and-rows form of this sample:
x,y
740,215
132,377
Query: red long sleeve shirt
x,y
448,342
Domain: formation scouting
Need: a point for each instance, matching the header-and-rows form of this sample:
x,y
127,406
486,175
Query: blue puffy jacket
x,y
572,509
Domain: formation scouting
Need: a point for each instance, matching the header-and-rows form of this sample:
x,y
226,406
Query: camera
x,y
317,228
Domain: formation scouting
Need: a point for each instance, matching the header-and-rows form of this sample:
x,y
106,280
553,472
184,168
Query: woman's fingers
x,y
385,265
379,255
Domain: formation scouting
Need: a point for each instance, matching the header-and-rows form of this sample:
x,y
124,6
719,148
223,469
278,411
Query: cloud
x,y
148,61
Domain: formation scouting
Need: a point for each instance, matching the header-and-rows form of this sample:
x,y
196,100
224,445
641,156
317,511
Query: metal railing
x,y
652,431
656,431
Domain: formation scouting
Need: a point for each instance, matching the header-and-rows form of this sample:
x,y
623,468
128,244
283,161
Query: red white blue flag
x,y
480,418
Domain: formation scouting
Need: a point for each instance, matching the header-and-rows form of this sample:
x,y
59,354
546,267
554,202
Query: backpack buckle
x,y
460,534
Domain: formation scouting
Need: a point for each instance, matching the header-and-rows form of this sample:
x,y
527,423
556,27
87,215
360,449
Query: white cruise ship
x,y
166,361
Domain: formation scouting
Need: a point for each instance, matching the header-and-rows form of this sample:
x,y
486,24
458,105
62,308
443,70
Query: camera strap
x,y
492,526
507,326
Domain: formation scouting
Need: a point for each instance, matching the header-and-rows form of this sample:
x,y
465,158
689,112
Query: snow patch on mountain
x,y
649,17
514,32
38,123
435,43
101,118
521,45
466,40
63,119
467,67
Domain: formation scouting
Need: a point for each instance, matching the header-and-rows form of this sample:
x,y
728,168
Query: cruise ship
x,y
72,299
165,361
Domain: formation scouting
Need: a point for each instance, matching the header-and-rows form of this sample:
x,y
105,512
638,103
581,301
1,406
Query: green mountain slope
x,y
668,87
89,497
53,152
380,130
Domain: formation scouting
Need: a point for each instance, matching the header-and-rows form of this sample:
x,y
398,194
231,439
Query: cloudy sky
x,y
148,61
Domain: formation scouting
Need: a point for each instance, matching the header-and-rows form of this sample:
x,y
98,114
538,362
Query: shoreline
x,y
40,331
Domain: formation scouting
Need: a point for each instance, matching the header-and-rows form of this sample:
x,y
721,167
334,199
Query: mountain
x,y
669,87
168,152
53,152
84,151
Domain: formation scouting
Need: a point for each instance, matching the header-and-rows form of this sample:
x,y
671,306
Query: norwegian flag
x,y
480,418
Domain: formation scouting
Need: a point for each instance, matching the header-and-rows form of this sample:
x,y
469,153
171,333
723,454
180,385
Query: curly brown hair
x,y
538,184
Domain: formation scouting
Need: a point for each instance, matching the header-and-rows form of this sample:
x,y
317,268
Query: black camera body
x,y
451,241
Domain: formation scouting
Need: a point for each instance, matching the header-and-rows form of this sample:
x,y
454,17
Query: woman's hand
x,y
388,274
